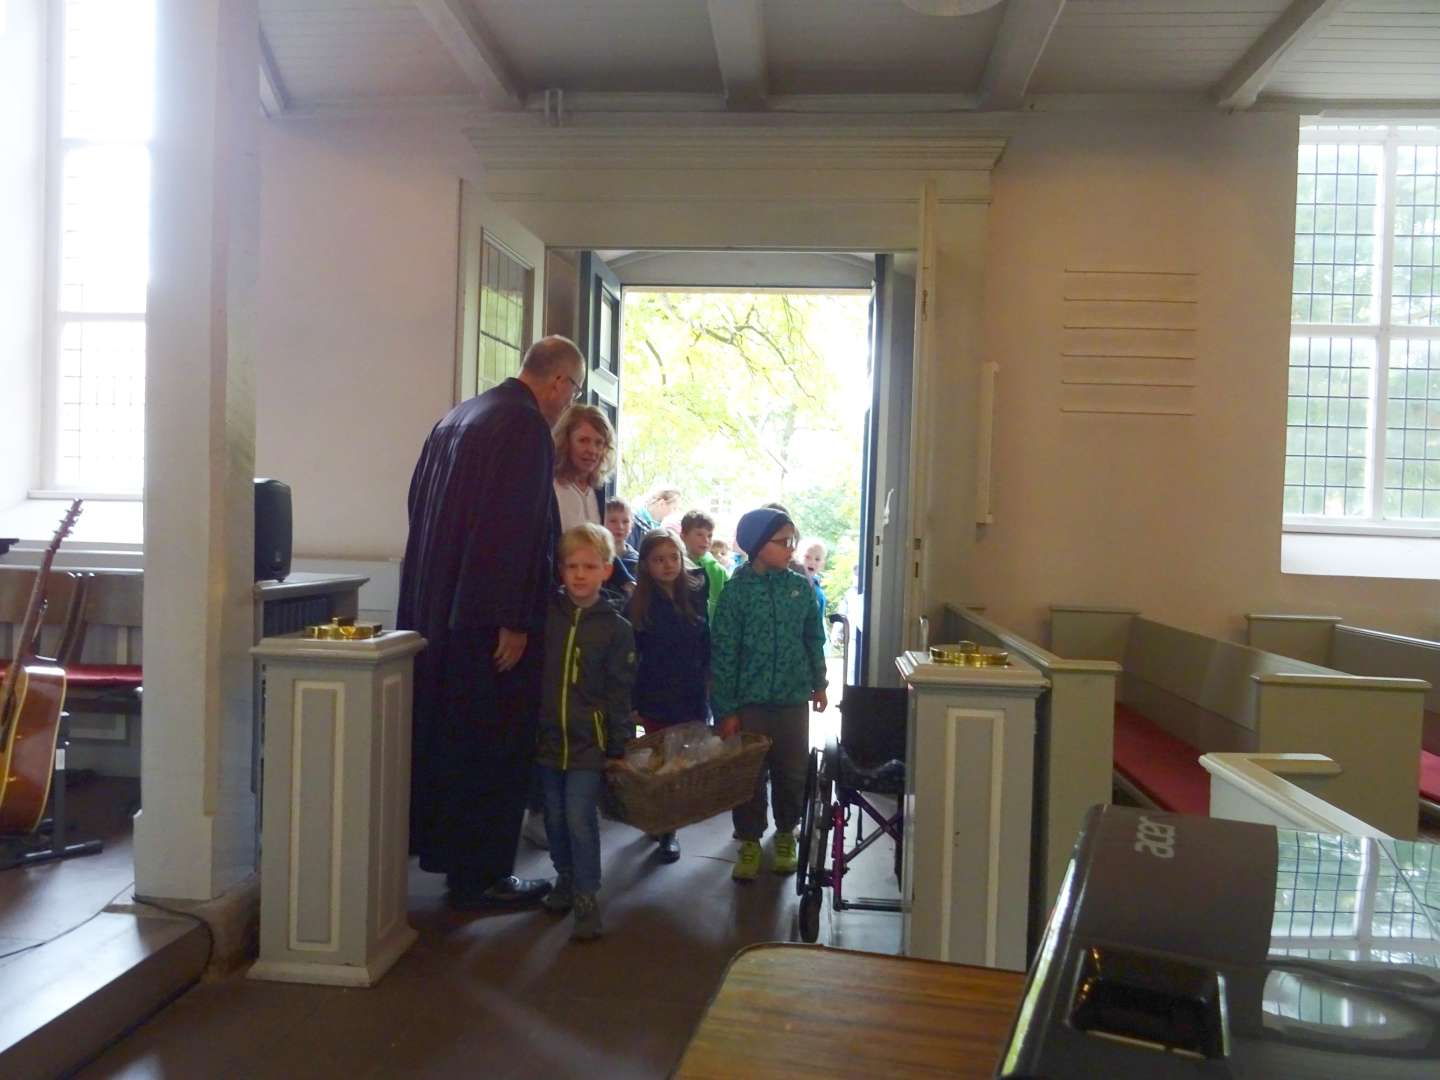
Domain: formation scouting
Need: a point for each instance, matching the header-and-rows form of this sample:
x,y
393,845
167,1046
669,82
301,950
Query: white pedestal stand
x,y
969,786
336,808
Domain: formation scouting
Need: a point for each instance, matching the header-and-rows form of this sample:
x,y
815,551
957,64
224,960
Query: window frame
x,y
1382,331
53,320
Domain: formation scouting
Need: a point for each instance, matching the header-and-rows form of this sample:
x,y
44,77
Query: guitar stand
x,y
60,846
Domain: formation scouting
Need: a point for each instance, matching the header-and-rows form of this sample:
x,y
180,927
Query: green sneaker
x,y
747,867
787,853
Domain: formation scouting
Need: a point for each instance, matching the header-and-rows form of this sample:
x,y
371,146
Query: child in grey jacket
x,y
584,719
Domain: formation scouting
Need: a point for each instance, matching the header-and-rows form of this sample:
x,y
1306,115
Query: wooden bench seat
x,y
1166,770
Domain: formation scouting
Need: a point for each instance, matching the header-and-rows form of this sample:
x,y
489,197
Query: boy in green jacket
x,y
768,660
584,719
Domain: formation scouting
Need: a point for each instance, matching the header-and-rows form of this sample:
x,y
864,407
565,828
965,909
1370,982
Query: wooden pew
x,y
1075,719
1183,694
1253,787
1325,639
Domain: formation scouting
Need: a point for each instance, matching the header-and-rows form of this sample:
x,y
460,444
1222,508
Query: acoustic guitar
x,y
32,695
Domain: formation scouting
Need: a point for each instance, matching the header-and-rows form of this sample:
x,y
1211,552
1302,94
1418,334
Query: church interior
x,y
1156,430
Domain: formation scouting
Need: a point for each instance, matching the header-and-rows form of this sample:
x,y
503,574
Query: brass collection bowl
x,y
969,654
343,628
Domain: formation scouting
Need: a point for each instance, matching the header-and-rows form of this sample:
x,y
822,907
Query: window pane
x,y
1327,435
105,229
100,441
1415,295
1334,233
1412,429
109,68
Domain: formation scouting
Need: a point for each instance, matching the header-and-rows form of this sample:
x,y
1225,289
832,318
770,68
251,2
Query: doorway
x,y
743,378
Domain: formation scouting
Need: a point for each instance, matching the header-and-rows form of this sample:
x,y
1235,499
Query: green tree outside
x,y
740,399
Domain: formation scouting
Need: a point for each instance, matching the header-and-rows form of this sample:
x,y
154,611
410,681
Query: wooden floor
x,y
508,995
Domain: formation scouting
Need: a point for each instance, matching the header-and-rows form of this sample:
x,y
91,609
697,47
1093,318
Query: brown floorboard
x,y
508,995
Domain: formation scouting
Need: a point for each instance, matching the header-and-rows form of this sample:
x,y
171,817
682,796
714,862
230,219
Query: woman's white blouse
x,y
577,505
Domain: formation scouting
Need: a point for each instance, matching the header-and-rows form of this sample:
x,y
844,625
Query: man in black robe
x,y
477,574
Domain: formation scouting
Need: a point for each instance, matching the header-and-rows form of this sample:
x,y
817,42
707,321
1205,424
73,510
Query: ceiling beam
x,y
1023,34
738,27
1297,24
473,47
273,98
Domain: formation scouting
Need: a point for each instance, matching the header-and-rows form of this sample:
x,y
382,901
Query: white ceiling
x,y
687,54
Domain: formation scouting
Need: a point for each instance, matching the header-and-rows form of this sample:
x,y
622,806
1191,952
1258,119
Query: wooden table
x,y
808,1011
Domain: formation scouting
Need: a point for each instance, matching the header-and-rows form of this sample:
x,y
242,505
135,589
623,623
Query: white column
x,y
196,834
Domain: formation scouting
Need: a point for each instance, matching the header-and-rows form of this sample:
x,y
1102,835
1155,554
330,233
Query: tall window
x,y
99,198
1363,430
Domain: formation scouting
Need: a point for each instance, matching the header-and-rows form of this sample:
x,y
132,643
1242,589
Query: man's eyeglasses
x,y
791,542
579,388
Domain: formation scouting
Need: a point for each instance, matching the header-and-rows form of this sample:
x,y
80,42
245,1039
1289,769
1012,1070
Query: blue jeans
x,y
572,823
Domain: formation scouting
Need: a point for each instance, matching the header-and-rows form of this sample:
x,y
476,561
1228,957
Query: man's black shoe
x,y
669,848
509,891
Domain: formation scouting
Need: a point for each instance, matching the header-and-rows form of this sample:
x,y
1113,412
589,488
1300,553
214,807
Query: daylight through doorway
x,y
739,399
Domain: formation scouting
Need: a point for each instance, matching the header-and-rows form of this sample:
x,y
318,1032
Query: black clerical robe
x,y
480,557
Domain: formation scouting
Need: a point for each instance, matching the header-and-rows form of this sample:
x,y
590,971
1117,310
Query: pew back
x,y
1221,696
1359,651
1076,721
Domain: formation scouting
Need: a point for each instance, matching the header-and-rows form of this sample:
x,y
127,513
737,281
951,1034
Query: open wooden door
x,y
598,334
916,597
885,514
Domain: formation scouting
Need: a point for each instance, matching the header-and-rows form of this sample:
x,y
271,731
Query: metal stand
x,y
60,846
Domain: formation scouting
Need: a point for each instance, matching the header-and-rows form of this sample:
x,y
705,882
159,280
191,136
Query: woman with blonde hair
x,y
584,459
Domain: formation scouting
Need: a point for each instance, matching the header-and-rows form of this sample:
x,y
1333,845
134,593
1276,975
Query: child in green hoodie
x,y
768,661
584,719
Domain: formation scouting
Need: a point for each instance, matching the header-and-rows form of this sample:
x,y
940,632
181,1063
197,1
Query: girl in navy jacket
x,y
672,639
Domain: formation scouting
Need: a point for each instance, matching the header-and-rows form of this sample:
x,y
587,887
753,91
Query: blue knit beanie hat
x,y
754,529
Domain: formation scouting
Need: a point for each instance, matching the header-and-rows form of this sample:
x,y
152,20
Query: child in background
x,y
813,554
618,519
696,530
584,719
720,552
672,638
768,660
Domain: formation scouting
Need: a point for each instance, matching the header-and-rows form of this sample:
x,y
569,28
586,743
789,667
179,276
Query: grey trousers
x,y
788,728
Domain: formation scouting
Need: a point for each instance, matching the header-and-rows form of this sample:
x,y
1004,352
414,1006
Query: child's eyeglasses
x,y
790,542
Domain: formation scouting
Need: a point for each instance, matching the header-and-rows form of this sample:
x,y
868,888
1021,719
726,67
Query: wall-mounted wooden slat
x,y
1128,400
1141,370
1093,284
1130,314
1128,341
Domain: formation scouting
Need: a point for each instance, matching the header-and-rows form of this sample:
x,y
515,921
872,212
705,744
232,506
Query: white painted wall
x,y
358,256
1179,517
22,225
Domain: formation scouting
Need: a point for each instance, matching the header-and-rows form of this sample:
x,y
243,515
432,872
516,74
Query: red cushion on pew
x,y
104,677
1165,768
99,676
1430,776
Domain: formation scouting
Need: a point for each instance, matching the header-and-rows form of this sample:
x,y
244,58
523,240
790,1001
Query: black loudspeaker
x,y
272,530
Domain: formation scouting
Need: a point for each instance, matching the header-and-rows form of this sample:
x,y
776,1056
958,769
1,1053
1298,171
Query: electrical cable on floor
x,y
77,926
209,930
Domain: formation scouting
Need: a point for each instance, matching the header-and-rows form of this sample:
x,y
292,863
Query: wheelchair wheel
x,y
808,819
810,915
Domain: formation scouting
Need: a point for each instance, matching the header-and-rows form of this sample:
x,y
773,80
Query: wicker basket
x,y
661,804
